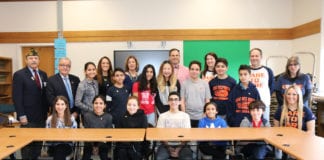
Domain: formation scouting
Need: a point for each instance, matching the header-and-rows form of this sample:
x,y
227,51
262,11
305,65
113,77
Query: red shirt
x,y
145,98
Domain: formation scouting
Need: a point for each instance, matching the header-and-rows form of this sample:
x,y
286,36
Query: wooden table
x,y
16,138
292,141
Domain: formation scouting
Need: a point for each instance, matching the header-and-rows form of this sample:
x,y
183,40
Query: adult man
x,y
263,78
174,118
64,84
29,97
180,71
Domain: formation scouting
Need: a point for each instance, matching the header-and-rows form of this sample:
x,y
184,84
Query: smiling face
x,y
99,106
194,71
221,69
211,111
131,63
256,114
167,70
174,102
60,107
210,61
149,73
174,57
105,65
64,66
291,97
255,58
132,106
90,72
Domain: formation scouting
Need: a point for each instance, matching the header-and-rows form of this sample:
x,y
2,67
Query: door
x,y
46,57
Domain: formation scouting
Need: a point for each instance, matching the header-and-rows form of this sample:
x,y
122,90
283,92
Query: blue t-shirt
x,y
220,90
283,82
293,117
213,123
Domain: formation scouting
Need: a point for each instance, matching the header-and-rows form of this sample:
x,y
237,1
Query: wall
x,y
167,14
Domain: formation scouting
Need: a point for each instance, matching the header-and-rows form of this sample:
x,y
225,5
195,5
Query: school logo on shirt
x,y
221,92
242,104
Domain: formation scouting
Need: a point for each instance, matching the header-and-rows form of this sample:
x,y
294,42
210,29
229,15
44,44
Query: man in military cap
x,y
29,97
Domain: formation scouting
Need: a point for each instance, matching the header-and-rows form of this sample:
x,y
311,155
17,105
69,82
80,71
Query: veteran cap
x,y
32,52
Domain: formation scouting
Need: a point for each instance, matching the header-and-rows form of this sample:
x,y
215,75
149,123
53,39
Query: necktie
x,y
69,91
37,79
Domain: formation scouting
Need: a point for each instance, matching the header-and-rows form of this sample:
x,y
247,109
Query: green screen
x,y
236,53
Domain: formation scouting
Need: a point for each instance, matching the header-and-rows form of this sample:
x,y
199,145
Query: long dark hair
x,y
143,80
67,115
213,54
99,70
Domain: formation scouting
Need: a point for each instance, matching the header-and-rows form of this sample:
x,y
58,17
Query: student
x,y
294,114
60,118
293,76
104,73
87,89
131,70
97,119
174,118
221,87
194,93
262,77
241,96
133,118
117,96
209,69
146,89
258,149
216,149
167,82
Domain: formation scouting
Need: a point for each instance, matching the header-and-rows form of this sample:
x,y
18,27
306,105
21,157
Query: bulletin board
x,y
236,52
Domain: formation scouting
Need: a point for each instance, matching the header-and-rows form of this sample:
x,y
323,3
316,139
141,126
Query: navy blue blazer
x,y
55,87
28,99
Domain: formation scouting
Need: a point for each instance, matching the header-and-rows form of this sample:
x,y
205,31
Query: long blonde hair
x,y
162,81
284,112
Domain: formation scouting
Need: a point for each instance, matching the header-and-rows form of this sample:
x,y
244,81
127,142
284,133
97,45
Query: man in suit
x,y
64,84
29,97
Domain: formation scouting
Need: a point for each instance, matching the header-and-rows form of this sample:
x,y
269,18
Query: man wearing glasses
x,y
64,84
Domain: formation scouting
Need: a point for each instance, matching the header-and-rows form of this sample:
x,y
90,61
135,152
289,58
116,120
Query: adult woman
x,y
145,89
292,76
87,89
131,70
60,118
167,82
103,76
293,113
209,69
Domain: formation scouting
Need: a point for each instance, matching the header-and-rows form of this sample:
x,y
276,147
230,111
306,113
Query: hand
x,y
75,115
23,120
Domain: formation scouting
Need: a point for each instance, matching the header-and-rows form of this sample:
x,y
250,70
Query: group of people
x,y
175,97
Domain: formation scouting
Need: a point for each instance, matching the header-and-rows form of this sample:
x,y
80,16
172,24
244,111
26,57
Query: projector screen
x,y
144,57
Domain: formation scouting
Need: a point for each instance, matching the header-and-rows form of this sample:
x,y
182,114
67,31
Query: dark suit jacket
x,y
28,99
55,87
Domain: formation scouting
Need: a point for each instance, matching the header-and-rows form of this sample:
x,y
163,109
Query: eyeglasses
x,y
173,99
65,65
293,64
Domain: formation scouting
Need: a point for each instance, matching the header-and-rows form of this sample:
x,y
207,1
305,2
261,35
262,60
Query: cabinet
x,y
5,80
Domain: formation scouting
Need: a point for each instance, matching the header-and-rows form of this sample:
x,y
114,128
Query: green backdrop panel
x,y
236,53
